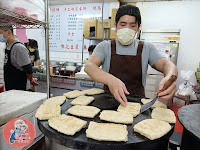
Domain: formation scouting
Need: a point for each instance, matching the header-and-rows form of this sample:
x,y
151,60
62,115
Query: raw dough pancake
x,y
164,115
152,128
67,124
49,111
107,132
84,111
156,104
93,91
73,94
117,117
131,107
82,100
55,100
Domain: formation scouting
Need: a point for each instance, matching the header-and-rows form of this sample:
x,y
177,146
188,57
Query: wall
x,y
182,15
38,34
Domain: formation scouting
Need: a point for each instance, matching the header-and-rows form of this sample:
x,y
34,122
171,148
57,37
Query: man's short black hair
x,y
32,43
130,10
91,48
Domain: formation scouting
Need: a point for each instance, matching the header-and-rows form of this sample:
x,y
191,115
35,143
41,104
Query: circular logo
x,y
19,132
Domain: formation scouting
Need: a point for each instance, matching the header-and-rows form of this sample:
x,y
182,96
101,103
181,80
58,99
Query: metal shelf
x,y
8,18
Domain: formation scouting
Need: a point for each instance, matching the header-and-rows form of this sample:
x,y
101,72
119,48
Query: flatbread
x,y
55,100
93,91
82,100
84,111
107,132
131,107
164,115
49,111
73,94
117,117
156,104
152,128
68,125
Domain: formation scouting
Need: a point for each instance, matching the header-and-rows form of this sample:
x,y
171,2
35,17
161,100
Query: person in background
x,y
91,49
32,45
17,64
125,60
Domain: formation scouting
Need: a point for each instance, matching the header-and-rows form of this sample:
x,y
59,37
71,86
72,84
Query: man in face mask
x,y
125,60
17,65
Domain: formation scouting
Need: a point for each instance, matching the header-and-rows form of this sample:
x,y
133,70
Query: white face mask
x,y
2,39
126,36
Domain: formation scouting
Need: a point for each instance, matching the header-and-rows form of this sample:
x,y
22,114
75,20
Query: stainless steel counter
x,y
62,84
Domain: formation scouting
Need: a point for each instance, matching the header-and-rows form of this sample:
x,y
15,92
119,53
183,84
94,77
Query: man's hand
x,y
118,90
34,82
169,92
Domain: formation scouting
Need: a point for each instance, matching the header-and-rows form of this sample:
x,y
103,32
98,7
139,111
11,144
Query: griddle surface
x,y
80,141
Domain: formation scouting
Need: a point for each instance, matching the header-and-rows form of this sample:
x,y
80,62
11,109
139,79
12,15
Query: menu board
x,y
66,25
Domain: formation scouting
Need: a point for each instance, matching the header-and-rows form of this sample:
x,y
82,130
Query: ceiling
x,y
66,2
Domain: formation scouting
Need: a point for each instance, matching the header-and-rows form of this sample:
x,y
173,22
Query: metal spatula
x,y
166,85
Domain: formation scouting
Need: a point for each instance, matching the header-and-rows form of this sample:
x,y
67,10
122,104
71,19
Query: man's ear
x,y
115,25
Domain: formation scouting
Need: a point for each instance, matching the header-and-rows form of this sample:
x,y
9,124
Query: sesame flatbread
x,y
73,94
152,128
116,117
82,100
68,125
56,100
156,104
84,111
49,111
107,132
131,107
164,115
93,91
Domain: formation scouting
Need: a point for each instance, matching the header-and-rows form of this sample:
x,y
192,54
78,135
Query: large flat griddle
x,y
105,102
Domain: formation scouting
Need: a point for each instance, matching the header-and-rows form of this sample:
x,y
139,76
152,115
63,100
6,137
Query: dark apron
x,y
128,69
13,77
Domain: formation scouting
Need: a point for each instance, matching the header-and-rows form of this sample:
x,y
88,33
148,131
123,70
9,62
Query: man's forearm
x,y
166,67
170,69
30,76
97,74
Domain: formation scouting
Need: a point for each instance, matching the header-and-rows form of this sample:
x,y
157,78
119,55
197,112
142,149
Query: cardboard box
x,y
113,33
133,3
90,28
198,75
106,24
112,22
114,12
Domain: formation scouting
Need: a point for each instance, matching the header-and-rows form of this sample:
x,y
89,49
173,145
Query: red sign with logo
x,y
19,132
